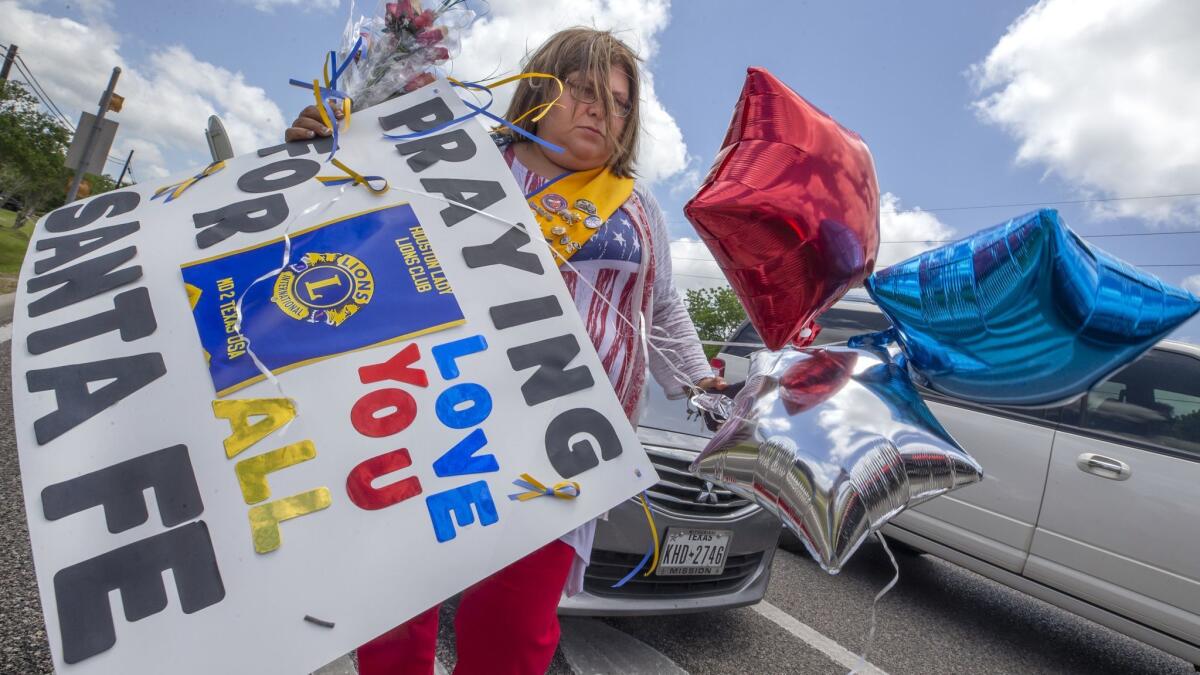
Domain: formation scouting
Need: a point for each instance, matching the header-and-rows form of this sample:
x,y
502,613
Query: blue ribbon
x,y
338,70
634,571
477,110
456,120
548,183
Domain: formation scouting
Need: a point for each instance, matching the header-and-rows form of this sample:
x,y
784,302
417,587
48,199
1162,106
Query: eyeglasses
x,y
586,94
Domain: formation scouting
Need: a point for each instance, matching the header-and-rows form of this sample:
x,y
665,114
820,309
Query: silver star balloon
x,y
834,441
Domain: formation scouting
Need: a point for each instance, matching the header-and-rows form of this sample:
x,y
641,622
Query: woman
x,y
611,241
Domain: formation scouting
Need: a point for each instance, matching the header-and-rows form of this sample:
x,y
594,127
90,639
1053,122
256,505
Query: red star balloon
x,y
790,210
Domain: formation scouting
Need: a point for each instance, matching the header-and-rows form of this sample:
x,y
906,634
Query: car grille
x,y
609,567
679,491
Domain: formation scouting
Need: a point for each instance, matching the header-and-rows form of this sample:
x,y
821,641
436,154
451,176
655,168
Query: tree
x,y
102,183
717,313
33,147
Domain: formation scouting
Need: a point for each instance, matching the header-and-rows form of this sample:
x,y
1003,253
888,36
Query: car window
x,y
1154,400
746,334
839,325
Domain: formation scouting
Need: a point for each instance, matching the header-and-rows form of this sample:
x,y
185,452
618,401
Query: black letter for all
x,y
504,251
131,315
75,216
251,215
522,312
569,459
264,178
422,116
71,246
321,144
75,403
81,591
483,193
118,488
552,379
452,146
82,281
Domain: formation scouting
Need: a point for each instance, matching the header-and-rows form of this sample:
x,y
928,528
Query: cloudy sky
x,y
975,112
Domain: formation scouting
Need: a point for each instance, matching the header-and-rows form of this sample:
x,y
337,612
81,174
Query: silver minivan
x,y
1092,506
716,548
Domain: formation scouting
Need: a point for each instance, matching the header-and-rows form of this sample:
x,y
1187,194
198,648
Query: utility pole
x,y
125,168
93,133
8,61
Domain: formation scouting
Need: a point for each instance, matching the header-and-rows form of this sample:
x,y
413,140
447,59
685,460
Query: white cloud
x,y
918,230
1192,283
693,265
167,99
1103,93
511,29
305,5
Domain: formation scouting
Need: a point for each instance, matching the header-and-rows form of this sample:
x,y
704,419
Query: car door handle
x,y
1105,467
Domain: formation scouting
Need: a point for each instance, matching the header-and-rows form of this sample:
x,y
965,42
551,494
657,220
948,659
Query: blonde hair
x,y
591,54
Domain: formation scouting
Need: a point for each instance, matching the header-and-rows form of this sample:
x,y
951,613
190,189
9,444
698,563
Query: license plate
x,y
694,552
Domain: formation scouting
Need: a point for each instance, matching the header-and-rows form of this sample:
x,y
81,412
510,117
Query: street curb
x,y
7,303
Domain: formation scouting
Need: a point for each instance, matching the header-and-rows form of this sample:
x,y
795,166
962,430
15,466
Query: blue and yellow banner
x,y
356,282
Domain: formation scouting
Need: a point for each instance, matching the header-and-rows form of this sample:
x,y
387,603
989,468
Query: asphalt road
x,y
940,618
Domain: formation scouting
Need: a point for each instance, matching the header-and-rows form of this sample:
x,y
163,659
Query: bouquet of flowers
x,y
401,48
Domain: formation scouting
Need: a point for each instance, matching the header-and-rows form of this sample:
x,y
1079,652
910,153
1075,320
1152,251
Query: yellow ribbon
x,y
321,104
567,489
543,107
572,209
653,533
354,177
176,189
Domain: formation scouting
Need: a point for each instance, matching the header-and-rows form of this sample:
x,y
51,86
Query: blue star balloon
x,y
1024,313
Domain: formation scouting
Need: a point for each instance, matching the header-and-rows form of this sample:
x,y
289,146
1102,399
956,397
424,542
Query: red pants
x,y
506,624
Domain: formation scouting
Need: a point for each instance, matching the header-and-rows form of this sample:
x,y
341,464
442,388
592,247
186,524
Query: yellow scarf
x,y
573,208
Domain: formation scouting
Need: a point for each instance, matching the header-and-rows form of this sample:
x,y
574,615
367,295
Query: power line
x,y
35,85
28,72
709,260
1063,202
54,113
1085,236
41,95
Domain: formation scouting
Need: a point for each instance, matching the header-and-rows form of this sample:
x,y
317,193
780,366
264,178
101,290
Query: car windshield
x,y
663,413
837,325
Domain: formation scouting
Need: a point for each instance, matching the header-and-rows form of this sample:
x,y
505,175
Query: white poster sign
x,y
262,418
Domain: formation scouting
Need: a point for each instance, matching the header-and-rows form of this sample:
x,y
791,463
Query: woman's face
x,y
578,127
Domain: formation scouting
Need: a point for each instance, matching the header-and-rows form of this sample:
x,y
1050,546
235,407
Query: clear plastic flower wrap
x,y
404,45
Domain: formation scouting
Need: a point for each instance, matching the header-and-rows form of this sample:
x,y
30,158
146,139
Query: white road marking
x,y
6,332
816,640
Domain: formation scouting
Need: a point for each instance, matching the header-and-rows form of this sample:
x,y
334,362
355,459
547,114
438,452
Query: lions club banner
x,y
264,414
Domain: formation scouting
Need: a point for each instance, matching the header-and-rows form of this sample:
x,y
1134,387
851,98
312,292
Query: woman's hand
x,y
309,124
712,383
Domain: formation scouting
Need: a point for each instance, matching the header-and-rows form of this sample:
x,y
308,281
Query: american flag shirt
x,y
621,281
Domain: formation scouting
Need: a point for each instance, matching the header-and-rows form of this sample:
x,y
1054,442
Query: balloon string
x,y
679,375
323,205
862,658
715,343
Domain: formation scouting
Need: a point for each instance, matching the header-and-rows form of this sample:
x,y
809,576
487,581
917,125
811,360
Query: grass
x,y
12,249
